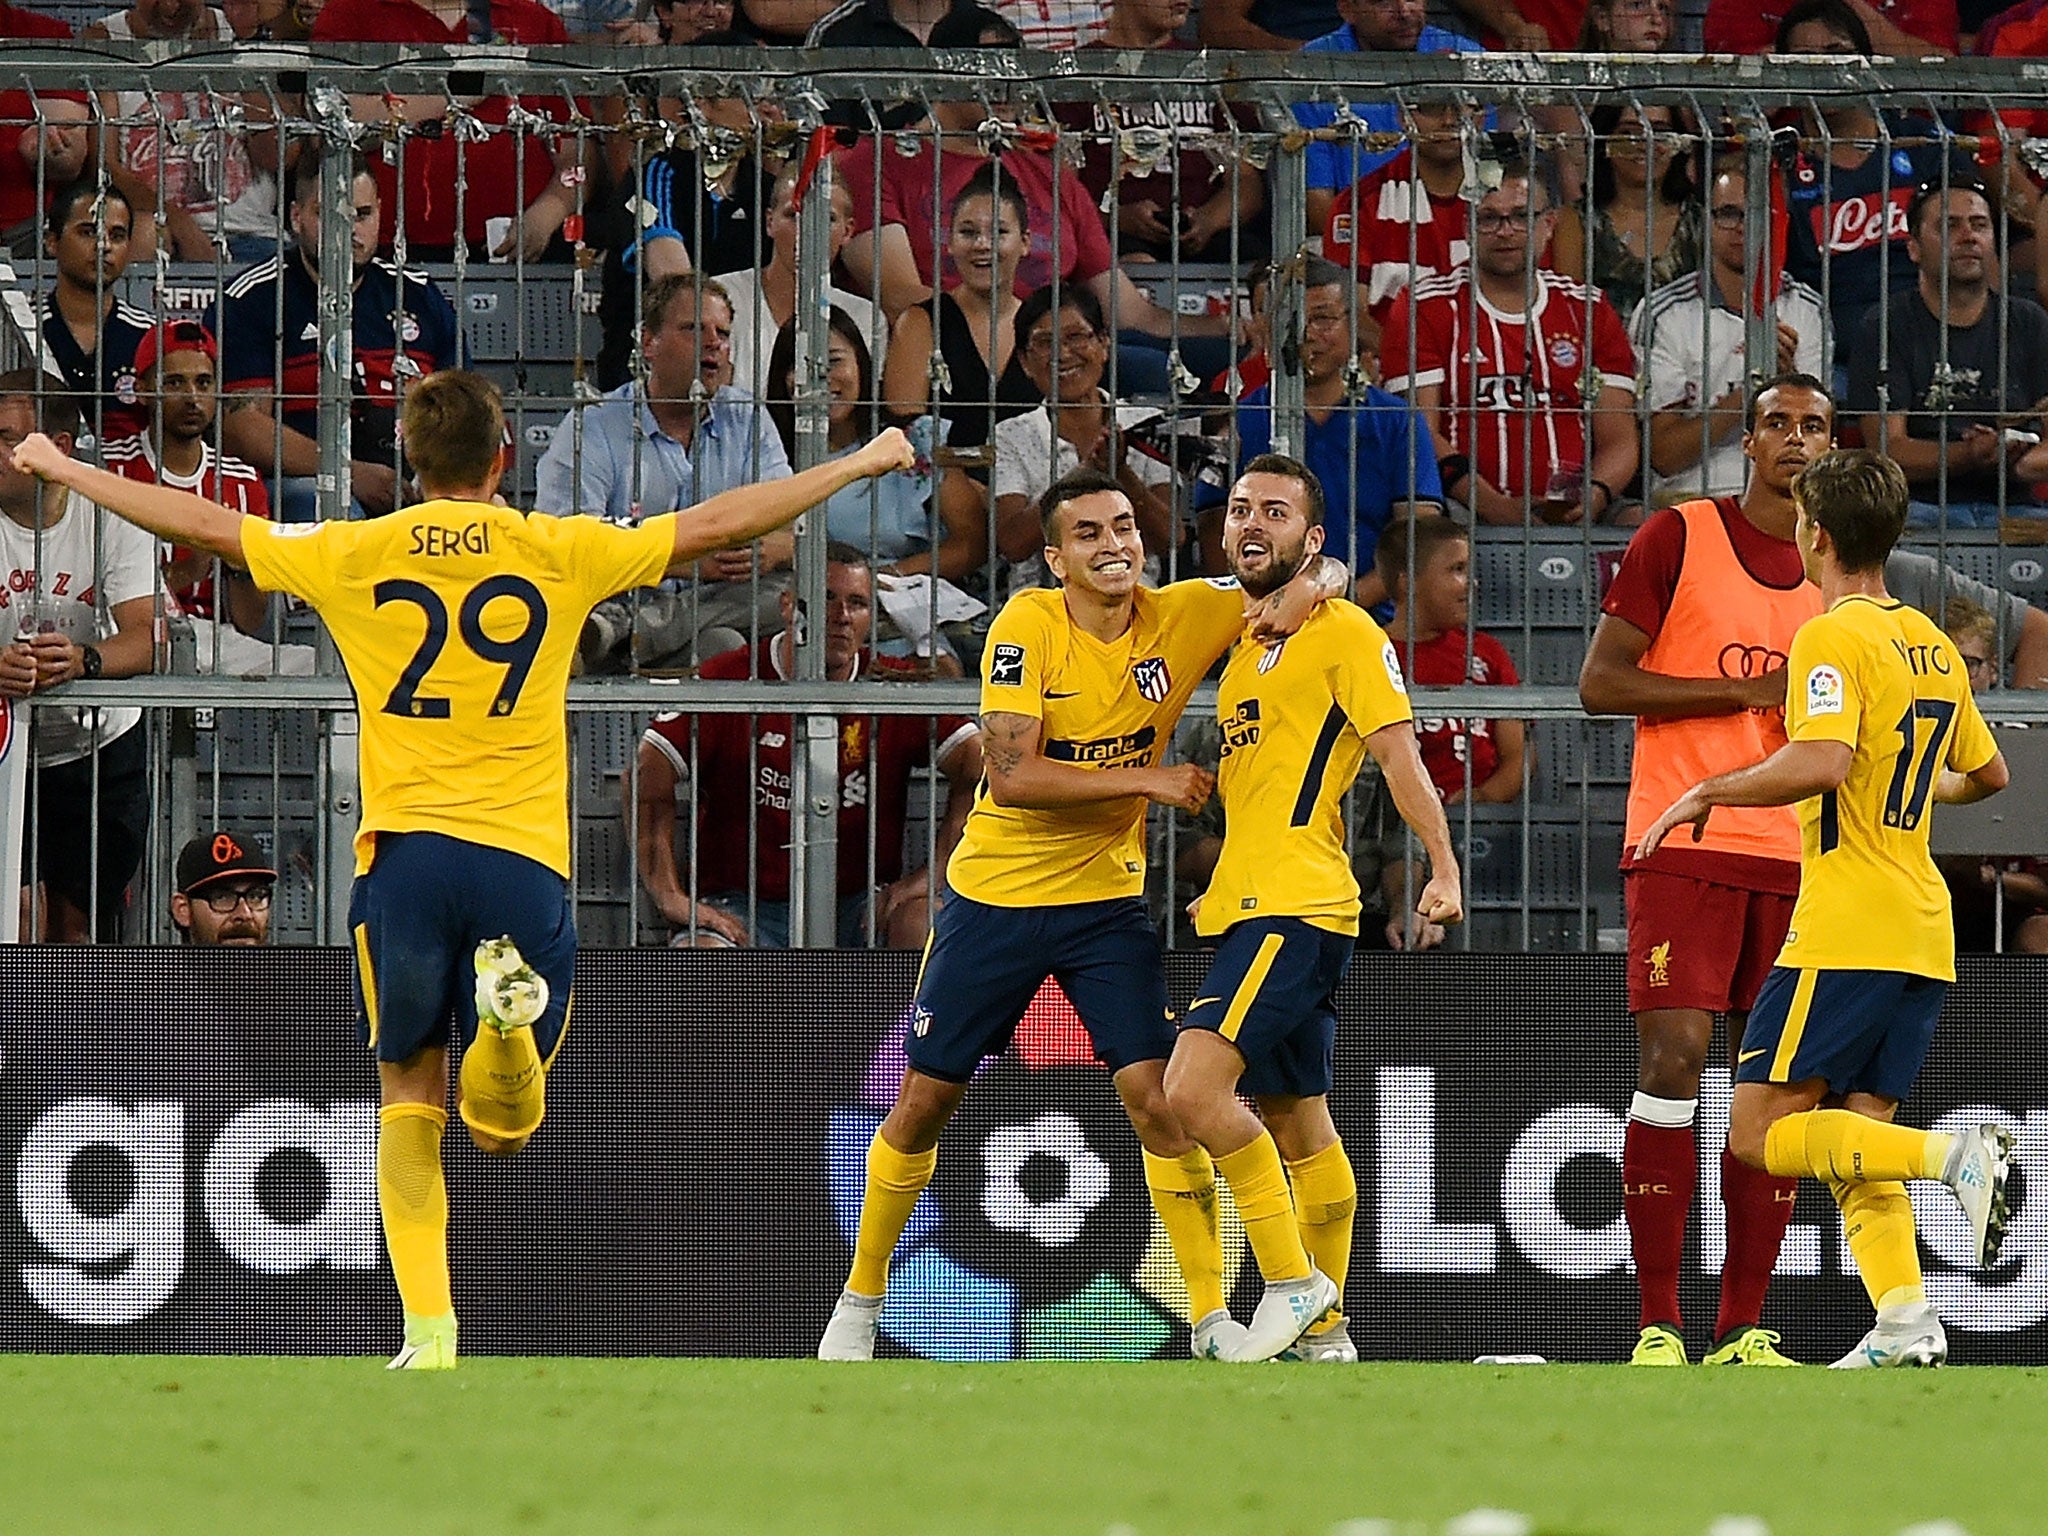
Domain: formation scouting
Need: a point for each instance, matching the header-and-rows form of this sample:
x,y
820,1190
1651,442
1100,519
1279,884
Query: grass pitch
x,y
165,1446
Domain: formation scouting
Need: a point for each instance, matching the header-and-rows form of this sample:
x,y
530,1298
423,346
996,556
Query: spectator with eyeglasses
x,y
1497,359
1694,334
225,887
1951,377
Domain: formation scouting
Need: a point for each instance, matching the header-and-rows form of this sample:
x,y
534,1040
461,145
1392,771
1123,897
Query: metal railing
x,y
541,325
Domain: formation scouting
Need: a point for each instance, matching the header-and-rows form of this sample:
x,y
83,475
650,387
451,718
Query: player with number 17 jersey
x,y
458,622
1880,678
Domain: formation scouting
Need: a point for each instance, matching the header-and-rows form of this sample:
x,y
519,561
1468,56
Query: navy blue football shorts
x,y
1271,991
1859,1031
984,964
416,919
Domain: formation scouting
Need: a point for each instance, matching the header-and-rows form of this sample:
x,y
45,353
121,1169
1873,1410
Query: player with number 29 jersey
x,y
458,622
1881,679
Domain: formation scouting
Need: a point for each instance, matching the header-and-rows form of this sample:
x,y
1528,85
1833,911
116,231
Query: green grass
x,y
162,1446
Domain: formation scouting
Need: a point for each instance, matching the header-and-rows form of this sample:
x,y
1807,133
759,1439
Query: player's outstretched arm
x,y
1797,771
1613,681
1395,749
1021,776
178,516
741,515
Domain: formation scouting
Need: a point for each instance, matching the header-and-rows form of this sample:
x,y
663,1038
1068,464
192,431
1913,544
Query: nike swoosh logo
x,y
1751,1055
1074,695
1201,1002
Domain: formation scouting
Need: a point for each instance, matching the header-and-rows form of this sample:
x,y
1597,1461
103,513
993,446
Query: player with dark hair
x,y
1298,716
457,620
1081,687
1880,722
1692,639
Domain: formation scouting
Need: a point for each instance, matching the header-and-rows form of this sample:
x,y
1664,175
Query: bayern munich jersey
x,y
457,622
1295,716
1099,704
223,479
1515,386
1880,678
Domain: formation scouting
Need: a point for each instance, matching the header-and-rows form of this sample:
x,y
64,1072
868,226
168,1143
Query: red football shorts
x,y
1696,944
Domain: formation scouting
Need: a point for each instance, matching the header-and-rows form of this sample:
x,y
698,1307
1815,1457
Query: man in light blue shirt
x,y
1370,26
663,446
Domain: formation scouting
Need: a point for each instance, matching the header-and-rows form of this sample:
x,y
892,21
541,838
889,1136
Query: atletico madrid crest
x,y
1153,680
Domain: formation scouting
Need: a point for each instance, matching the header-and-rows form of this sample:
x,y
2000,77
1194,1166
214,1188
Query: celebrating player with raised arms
x,y
1298,716
1080,691
1881,724
457,620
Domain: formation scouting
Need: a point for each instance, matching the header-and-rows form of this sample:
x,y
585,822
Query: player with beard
x,y
1081,688
1298,716
176,366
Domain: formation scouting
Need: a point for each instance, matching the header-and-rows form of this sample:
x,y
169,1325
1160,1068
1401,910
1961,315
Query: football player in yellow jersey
x,y
1298,716
1881,723
457,620
1081,688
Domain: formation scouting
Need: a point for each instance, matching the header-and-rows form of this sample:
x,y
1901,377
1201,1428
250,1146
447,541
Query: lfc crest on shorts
x,y
1153,680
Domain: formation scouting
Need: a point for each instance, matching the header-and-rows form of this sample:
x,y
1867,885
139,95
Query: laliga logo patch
x,y
1823,691
1006,666
1392,662
1153,680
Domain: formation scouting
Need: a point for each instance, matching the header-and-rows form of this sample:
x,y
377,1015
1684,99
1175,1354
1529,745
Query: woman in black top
x,y
973,337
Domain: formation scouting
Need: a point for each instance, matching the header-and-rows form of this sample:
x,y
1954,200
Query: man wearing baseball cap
x,y
224,887
176,382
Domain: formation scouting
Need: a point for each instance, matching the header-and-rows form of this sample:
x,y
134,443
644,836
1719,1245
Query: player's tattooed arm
x,y
1020,775
1281,613
1006,740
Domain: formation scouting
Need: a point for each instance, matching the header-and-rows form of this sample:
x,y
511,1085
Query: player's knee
x,y
1746,1133
1671,1057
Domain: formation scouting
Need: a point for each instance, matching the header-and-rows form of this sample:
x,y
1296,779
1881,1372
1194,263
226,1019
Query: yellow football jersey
x,y
1881,678
457,622
1099,705
1295,717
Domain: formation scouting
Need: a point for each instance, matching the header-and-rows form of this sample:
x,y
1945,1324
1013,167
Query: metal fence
x,y
780,187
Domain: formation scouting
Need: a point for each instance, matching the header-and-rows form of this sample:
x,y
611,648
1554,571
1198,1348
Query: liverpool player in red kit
x,y
1692,642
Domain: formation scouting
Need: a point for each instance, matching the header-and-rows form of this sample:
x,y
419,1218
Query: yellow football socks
x,y
895,1180
1843,1147
1325,1203
412,1196
1259,1182
1183,1191
1877,1219
504,1089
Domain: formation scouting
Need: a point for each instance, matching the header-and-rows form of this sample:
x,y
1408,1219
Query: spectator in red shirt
x,y
902,244
1407,220
1484,761
1201,205
742,837
1503,371
497,173
57,144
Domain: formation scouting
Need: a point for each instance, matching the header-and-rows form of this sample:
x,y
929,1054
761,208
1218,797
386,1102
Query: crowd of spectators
x,y
1513,321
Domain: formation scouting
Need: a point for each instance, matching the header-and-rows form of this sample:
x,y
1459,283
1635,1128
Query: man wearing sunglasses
x,y
225,883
